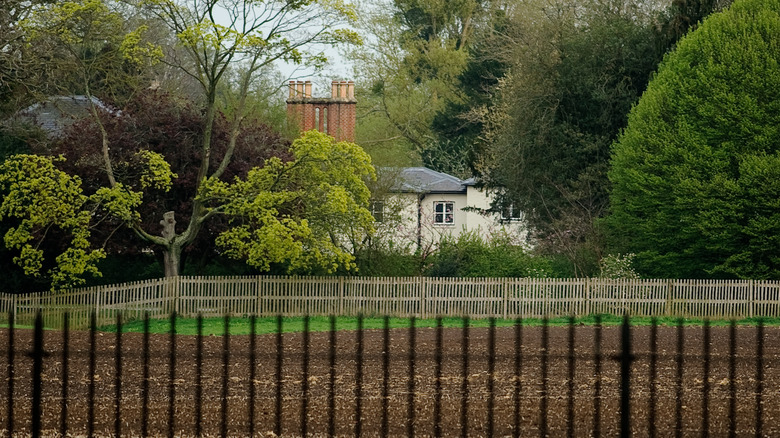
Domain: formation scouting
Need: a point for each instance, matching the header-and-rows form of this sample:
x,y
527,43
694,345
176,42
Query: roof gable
x,y
424,180
58,112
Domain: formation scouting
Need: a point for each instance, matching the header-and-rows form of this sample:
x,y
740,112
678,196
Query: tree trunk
x,y
172,260
172,251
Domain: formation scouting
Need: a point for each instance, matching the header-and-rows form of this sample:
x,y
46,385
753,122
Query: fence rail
x,y
400,296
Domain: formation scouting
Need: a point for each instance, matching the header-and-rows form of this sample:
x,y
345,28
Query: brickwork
x,y
335,116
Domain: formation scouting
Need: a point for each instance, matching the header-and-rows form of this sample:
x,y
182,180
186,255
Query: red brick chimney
x,y
334,116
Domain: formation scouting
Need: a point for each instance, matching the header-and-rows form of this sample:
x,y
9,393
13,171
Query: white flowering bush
x,y
618,266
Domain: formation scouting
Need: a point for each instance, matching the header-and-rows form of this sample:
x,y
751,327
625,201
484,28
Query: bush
x,y
696,174
469,255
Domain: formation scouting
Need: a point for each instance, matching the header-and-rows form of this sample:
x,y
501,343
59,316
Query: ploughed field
x,y
551,409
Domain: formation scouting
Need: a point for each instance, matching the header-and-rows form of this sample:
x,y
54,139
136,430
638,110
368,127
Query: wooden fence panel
x,y
716,299
633,296
296,296
216,296
476,297
766,299
382,296
403,297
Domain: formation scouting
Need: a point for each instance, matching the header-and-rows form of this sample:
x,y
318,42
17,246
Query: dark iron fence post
x,y
64,377
517,372
543,414
199,376
172,377
705,390
410,412
597,357
225,375
36,375
464,389
118,377
91,394
278,377
145,381
359,379
732,378
252,371
678,420
570,379
437,382
625,378
11,377
491,376
759,378
385,374
651,419
332,379
305,378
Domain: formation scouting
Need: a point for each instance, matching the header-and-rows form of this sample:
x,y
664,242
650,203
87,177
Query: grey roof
x,y
424,180
59,112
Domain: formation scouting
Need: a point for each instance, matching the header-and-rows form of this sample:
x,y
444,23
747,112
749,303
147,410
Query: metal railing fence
x,y
514,381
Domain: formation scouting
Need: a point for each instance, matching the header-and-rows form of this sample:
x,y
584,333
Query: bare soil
x,y
345,397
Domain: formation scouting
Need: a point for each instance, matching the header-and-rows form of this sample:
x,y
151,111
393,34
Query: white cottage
x,y
423,205
416,206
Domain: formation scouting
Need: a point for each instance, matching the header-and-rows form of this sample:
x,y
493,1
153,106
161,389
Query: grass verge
x,y
265,325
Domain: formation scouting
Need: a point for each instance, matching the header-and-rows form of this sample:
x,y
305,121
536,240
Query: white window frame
x,y
508,214
444,213
378,210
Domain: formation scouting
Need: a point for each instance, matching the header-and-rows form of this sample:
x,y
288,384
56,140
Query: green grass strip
x,y
241,326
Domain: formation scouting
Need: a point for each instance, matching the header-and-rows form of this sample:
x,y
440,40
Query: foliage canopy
x,y
696,174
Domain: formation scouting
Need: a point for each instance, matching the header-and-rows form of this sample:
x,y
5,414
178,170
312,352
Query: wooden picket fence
x,y
400,296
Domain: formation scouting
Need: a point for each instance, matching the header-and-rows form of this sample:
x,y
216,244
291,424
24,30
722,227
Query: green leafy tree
x,y
410,72
683,16
575,71
223,46
43,208
253,35
86,47
310,212
695,174
171,126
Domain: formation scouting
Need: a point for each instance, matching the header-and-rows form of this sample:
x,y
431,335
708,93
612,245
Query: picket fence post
x,y
258,297
669,297
422,285
14,308
751,307
341,296
176,293
588,296
505,293
97,304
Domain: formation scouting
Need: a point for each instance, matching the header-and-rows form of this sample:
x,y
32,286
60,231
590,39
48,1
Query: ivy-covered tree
x,y
696,174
